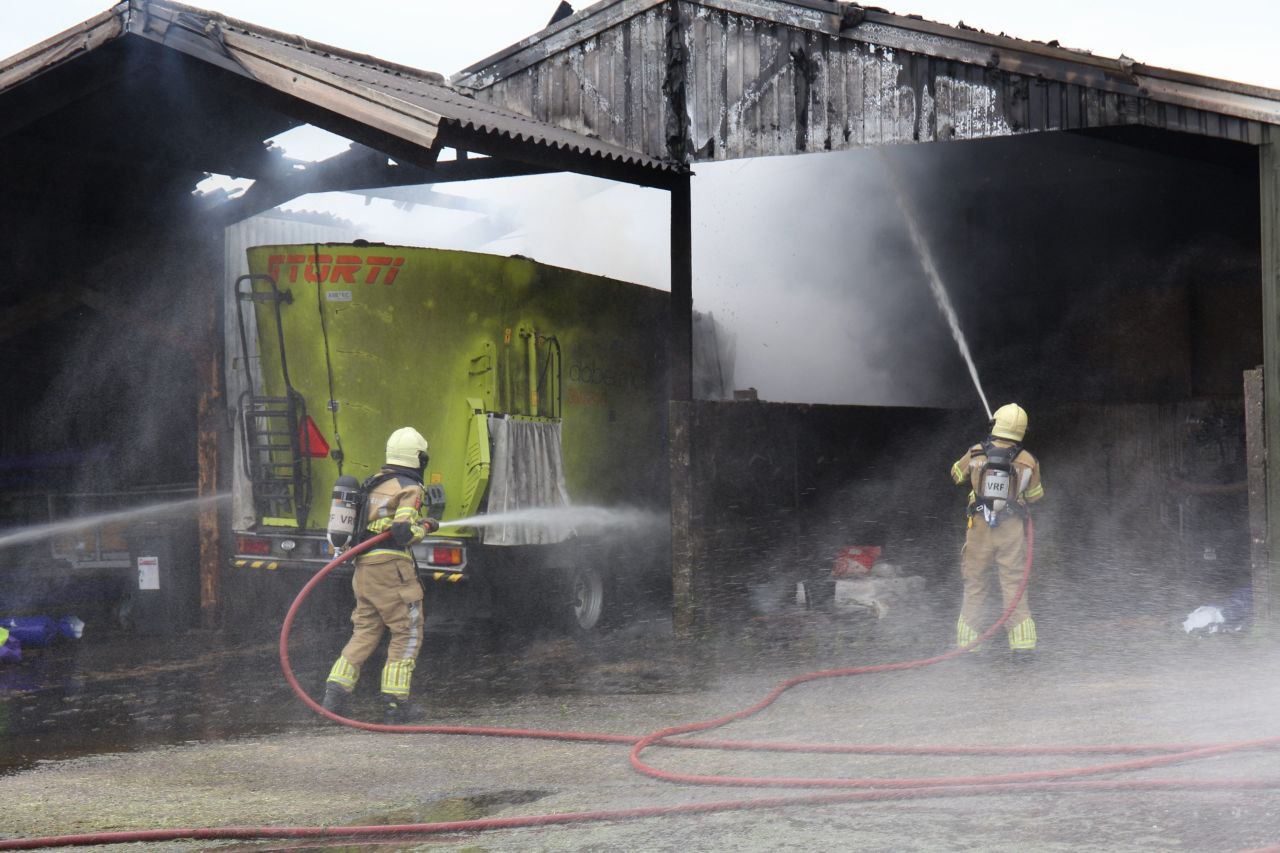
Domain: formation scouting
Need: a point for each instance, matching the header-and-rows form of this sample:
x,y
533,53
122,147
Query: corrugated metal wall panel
x,y
259,230
759,87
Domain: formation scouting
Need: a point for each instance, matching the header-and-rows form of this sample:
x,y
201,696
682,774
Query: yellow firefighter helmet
x,y
1009,422
407,447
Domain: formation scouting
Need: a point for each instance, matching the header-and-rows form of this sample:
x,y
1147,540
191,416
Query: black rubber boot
x,y
335,699
397,711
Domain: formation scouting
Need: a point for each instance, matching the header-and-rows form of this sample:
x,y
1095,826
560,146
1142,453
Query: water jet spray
x,y
935,279
57,528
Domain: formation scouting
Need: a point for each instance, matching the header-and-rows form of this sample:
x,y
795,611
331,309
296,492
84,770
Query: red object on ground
x,y
873,788
855,561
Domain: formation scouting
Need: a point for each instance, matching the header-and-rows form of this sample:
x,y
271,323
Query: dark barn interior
x,y
1108,282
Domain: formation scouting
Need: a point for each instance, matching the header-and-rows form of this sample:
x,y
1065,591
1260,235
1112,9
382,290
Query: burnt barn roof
x,y
399,110
718,79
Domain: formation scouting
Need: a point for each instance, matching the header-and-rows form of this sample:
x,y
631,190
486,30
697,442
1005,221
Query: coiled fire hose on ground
x,y
868,789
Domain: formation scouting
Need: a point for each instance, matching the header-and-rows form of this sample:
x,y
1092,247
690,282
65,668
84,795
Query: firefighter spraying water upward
x,y
1003,478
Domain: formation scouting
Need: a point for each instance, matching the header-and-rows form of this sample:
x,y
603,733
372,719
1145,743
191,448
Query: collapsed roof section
x,y
403,112
722,79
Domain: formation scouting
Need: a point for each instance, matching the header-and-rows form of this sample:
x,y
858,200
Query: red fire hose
x,y
872,789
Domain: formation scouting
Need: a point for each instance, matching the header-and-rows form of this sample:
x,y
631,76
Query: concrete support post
x,y
680,431
681,411
1256,465
1266,612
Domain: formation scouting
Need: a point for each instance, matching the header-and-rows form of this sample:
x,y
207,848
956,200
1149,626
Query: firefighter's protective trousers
x,y
388,597
1003,548
1000,544
388,594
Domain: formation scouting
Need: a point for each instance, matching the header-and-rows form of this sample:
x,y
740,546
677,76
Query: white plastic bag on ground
x,y
1207,618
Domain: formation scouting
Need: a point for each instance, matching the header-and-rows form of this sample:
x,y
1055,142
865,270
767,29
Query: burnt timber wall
x,y
762,78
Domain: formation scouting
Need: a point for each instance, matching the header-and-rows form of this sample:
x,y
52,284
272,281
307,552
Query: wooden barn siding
x,y
758,87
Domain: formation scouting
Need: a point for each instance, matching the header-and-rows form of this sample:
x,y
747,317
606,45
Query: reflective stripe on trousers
x,y
396,677
965,635
344,674
1022,637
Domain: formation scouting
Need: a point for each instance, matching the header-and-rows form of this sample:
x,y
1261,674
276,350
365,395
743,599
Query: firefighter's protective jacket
x,y
397,498
970,465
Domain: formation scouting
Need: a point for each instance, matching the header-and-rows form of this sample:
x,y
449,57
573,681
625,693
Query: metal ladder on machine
x,y
271,427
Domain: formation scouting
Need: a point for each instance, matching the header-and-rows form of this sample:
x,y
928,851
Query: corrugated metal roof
x,y
407,103
780,76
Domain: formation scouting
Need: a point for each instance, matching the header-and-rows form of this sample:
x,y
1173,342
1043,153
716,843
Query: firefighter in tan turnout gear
x,y
1003,478
388,594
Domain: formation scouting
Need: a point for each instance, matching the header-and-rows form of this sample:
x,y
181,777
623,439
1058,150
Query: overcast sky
x,y
1237,42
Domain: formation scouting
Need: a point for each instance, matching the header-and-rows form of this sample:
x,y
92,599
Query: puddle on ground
x,y
454,808
119,692
435,811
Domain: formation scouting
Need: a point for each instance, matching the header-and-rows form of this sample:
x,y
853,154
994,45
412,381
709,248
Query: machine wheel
x,y
586,590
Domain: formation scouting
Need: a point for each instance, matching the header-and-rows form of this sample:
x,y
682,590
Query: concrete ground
x,y
197,730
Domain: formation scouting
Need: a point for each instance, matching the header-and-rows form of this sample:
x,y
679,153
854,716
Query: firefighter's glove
x,y
431,525
402,534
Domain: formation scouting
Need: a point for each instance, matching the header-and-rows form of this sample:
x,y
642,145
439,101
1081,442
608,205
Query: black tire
x,y
587,599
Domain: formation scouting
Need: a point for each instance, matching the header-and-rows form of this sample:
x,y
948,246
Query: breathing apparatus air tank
x,y
347,498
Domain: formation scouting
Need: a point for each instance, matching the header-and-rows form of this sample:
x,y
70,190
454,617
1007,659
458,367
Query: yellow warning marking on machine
x,y
240,564
272,566
455,577
437,575
257,564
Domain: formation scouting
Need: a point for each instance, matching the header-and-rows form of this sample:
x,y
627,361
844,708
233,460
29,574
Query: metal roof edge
x,y
88,34
1119,65
169,11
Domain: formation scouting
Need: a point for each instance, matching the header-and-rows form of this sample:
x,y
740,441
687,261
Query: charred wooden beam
x,y
210,415
476,168
675,83
546,158
366,171
358,166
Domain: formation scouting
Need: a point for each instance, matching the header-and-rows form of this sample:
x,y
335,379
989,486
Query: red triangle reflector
x,y
311,441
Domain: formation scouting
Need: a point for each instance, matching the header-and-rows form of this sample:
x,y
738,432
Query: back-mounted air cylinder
x,y
343,511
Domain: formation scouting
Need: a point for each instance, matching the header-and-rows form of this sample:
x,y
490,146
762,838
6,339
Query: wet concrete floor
x,y
127,732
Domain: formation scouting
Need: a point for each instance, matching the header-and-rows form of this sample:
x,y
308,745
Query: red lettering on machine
x,y
343,269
